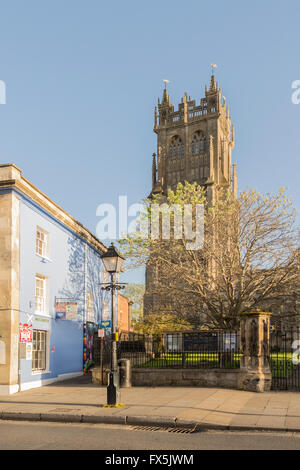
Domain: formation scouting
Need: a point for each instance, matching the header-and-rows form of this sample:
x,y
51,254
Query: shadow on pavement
x,y
74,382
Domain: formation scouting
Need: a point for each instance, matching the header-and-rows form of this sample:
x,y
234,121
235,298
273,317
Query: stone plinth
x,y
255,373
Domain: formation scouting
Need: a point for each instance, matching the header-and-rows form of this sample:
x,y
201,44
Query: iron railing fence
x,y
285,358
196,349
205,349
101,351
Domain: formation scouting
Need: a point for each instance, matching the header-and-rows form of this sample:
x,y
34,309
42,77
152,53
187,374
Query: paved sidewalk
x,y
211,408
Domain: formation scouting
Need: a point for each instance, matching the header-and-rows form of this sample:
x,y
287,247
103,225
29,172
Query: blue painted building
x,y
50,275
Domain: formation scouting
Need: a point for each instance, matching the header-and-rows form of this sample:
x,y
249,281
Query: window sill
x,y
44,258
42,314
40,372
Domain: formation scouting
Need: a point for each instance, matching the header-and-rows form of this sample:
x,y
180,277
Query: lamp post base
x,y
113,389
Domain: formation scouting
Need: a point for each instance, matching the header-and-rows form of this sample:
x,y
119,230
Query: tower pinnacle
x,y
212,80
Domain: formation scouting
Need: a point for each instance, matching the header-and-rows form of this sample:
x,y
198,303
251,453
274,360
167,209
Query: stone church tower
x,y
194,143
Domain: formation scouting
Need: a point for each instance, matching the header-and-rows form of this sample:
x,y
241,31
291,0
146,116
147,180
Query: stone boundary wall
x,y
225,378
186,377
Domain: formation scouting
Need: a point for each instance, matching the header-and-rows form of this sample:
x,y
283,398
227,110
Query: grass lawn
x,y
280,364
190,360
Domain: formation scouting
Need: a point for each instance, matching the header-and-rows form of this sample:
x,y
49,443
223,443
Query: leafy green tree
x,y
249,258
157,324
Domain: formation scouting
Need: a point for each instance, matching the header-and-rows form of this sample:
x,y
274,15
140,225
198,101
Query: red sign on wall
x,y
25,333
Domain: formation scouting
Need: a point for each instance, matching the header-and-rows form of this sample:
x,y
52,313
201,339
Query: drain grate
x,y
165,429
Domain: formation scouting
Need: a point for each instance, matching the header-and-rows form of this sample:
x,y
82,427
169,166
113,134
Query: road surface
x,y
48,436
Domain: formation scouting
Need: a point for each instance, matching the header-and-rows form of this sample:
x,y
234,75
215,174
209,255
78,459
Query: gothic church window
x,y
198,143
176,147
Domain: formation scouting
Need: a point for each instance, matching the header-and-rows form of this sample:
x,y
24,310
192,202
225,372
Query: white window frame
x,y
40,370
41,301
41,242
90,308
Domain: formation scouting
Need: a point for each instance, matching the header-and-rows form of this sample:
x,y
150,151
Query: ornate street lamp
x,y
113,262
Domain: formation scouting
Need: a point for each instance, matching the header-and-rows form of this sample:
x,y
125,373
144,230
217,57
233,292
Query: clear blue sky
x,y
83,79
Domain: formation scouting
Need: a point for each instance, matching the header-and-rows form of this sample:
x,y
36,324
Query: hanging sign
x,y
66,310
25,333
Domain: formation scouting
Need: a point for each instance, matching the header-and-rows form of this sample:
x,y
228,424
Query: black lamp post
x,y
113,262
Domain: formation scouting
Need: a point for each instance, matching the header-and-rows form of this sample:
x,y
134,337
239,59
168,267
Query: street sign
x,y
105,324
